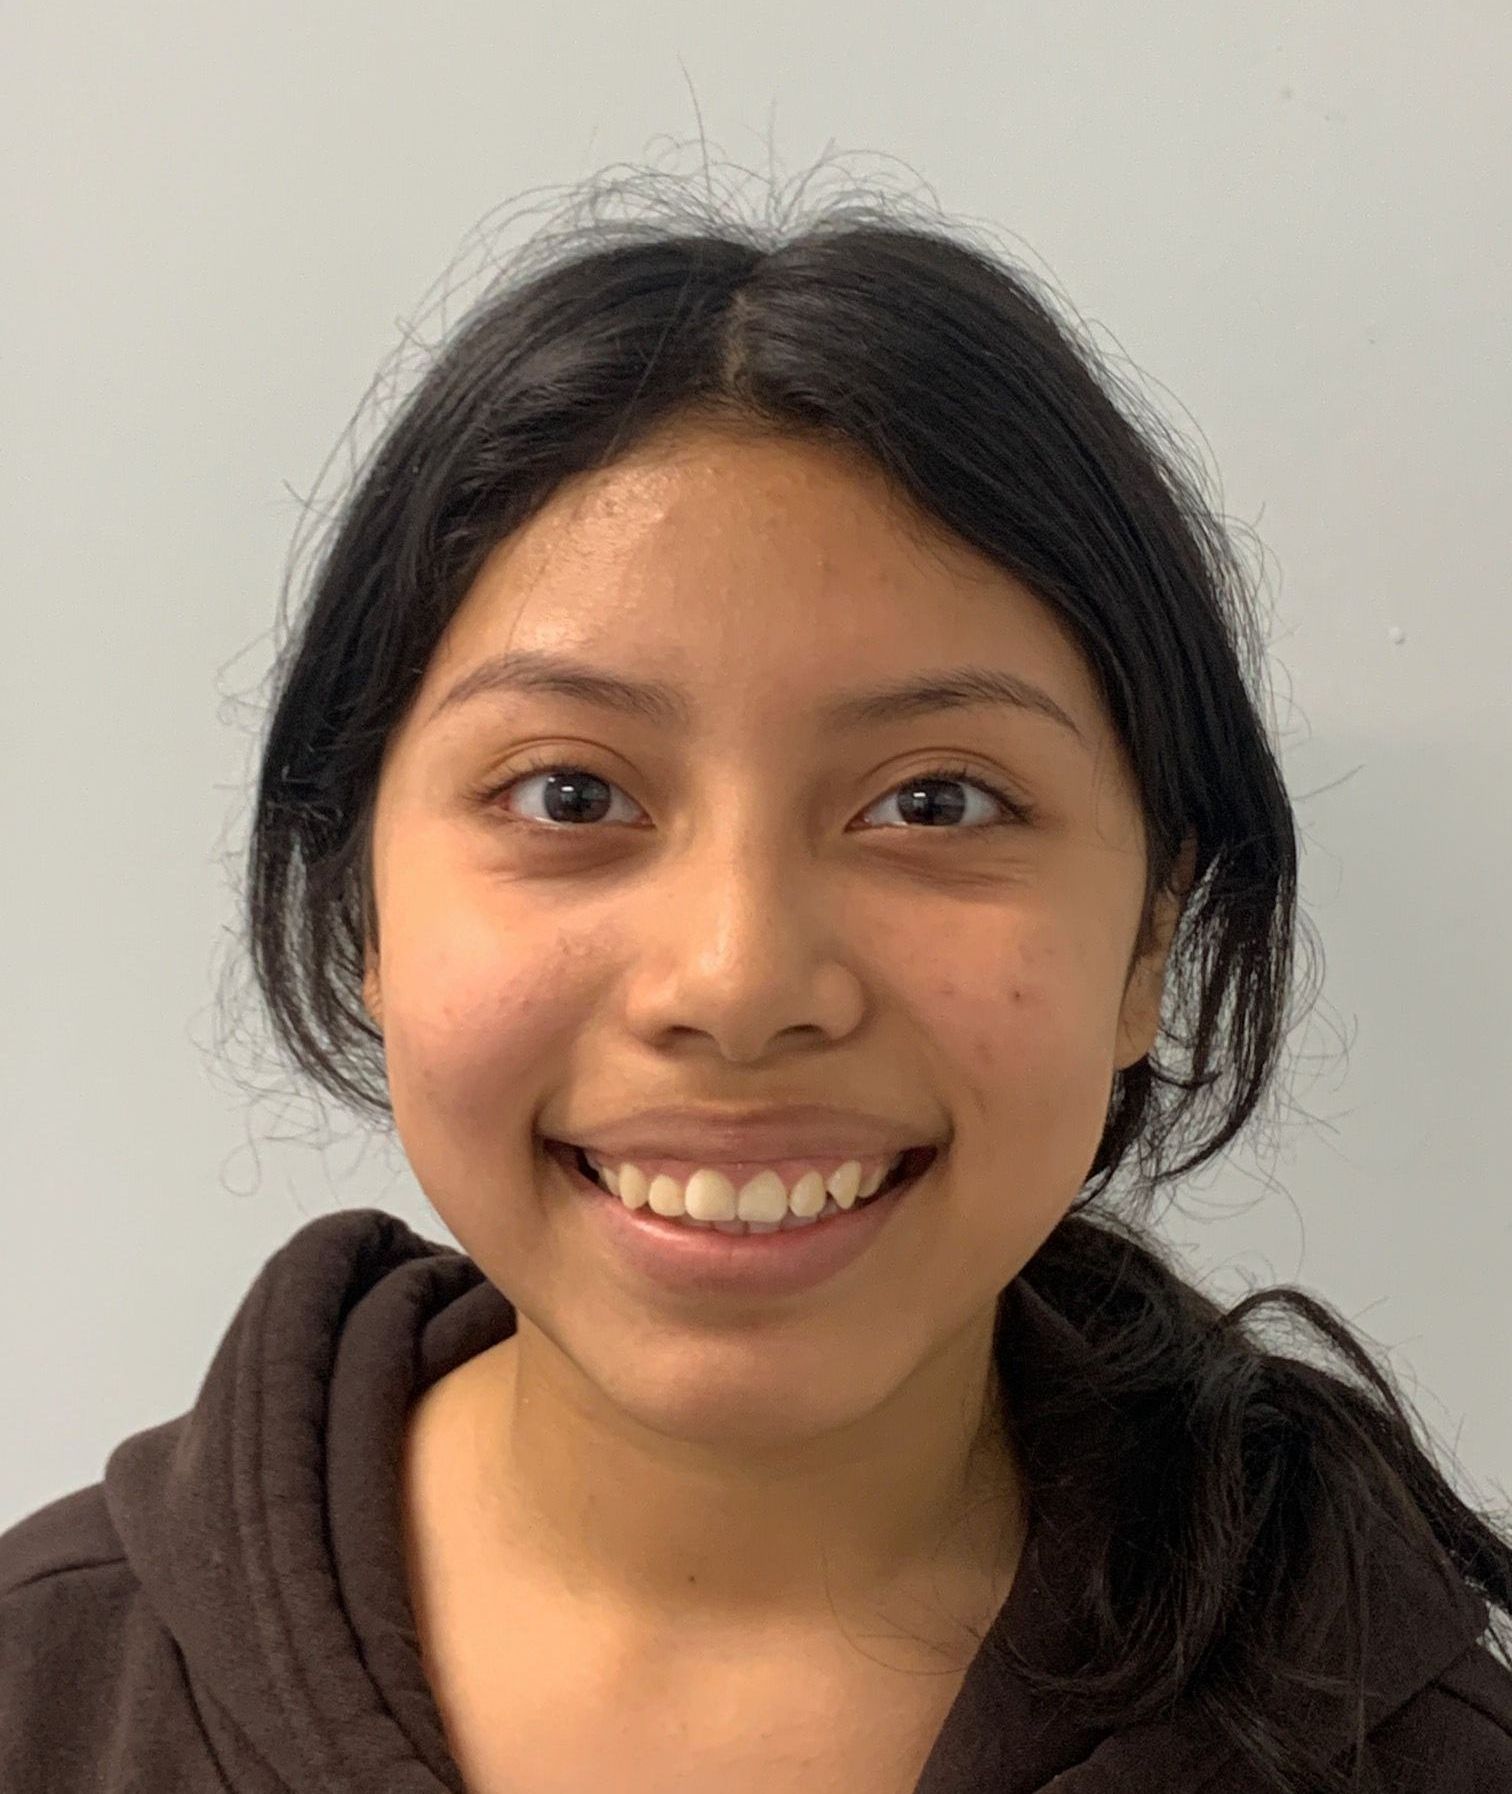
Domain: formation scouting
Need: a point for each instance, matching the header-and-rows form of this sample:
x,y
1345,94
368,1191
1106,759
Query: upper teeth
x,y
707,1194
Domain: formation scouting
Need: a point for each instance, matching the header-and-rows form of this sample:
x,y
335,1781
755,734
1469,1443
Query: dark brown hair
x,y
894,336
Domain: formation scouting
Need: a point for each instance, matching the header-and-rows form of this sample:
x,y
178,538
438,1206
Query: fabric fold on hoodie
x,y
228,1607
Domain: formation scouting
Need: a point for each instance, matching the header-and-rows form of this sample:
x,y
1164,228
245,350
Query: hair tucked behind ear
x,y
892,336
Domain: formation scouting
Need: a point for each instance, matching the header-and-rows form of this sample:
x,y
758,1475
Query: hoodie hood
x,y
264,1529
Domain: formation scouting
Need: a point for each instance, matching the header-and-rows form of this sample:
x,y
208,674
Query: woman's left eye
x,y
918,793
925,798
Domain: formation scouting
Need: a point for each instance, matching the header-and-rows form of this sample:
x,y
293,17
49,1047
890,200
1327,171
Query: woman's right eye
x,y
569,792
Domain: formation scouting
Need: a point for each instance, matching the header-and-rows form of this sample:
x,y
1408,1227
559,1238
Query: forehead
x,y
755,563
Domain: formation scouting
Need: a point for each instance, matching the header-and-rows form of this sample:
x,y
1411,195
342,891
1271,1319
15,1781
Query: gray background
x,y
220,224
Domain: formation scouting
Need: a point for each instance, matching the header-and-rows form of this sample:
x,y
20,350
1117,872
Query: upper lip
x,y
802,1130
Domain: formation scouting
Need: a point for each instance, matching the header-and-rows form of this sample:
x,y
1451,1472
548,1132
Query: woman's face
x,y
752,914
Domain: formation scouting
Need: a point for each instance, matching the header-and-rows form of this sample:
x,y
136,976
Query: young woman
x,y
768,793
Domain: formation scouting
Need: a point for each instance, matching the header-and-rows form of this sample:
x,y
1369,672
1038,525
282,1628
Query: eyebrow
x,y
652,700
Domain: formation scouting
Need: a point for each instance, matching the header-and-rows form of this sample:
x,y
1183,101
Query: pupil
x,y
574,784
954,806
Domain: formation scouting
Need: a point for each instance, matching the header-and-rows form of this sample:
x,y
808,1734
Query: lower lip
x,y
702,1260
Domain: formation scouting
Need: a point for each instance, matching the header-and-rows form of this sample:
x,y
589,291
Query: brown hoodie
x,y
227,1609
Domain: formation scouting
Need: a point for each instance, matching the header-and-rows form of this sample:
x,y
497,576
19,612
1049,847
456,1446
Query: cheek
x,y
1026,1045
1029,1008
472,1022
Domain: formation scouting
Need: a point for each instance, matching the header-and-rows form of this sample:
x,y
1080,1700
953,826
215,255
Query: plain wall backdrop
x,y
1288,219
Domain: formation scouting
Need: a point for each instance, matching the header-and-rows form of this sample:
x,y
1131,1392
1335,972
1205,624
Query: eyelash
x,y
1019,813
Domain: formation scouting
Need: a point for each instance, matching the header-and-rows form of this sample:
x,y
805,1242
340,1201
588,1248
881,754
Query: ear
x,y
1139,1019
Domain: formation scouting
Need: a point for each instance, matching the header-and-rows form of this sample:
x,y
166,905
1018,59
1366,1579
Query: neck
x,y
916,1508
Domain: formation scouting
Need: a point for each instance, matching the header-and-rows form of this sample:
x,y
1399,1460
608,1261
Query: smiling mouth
x,y
910,1165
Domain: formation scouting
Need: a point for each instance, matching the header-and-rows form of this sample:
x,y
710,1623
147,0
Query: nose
x,y
740,949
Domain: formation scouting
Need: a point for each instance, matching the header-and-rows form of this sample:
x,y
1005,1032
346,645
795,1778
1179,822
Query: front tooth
x,y
808,1195
710,1195
764,1198
633,1186
844,1183
666,1195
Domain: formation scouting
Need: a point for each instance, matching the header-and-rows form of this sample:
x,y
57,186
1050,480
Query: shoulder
x,y
64,1584
72,1533
1454,1735
67,1594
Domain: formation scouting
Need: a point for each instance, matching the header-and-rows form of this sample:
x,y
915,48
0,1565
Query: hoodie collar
x,y
264,1528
